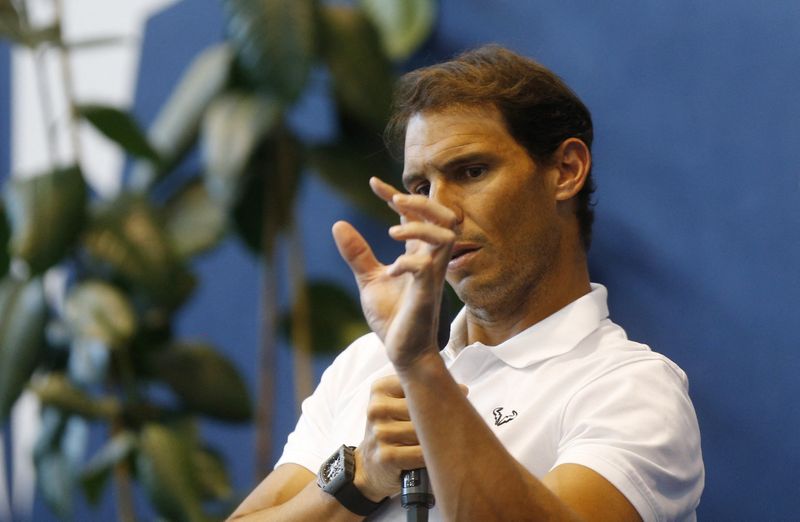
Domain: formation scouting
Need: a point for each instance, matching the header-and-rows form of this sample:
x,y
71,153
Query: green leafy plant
x,y
103,349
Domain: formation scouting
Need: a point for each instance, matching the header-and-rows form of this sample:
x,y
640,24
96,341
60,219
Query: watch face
x,y
332,468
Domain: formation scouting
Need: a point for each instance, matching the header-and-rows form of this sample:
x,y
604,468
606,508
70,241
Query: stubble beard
x,y
510,290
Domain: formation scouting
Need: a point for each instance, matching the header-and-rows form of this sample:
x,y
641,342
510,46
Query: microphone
x,y
416,495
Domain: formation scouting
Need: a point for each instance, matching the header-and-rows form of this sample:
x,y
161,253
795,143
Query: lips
x,y
460,250
461,254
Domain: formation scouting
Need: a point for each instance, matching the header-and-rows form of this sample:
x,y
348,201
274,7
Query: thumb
x,y
354,249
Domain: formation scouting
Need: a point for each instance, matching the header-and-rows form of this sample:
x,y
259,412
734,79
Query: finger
x,y
388,385
397,433
402,457
427,232
383,408
464,389
386,192
354,249
382,189
415,264
424,208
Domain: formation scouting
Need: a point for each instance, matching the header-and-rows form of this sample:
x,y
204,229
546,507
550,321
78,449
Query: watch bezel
x,y
346,459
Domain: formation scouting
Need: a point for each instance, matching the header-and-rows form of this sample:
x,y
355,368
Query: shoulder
x,y
608,353
363,359
630,418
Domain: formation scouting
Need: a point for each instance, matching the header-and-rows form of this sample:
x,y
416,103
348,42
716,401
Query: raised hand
x,y
401,300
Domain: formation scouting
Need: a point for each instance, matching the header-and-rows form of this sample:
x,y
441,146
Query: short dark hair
x,y
539,109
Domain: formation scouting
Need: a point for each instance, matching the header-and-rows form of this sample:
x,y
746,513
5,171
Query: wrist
x,y
424,366
362,482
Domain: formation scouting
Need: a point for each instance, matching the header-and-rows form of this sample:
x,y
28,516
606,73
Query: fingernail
x,y
394,229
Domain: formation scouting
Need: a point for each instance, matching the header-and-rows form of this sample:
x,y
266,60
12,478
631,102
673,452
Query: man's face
x,y
508,234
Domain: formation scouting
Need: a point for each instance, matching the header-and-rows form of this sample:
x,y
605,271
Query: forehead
x,y
436,135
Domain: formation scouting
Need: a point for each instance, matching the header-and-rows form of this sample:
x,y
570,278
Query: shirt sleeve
x,y
635,425
308,445
313,439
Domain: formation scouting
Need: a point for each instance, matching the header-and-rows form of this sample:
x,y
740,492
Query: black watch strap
x,y
350,497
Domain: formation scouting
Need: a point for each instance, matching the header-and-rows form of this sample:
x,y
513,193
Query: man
x,y
539,408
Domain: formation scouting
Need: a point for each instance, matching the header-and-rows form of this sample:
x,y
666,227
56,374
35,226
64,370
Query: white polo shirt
x,y
569,389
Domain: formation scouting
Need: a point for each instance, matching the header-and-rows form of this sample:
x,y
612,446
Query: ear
x,y
572,163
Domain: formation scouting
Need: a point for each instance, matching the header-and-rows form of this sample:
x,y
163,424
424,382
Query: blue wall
x,y
697,160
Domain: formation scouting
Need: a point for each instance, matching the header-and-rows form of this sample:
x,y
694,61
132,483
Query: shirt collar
x,y
552,336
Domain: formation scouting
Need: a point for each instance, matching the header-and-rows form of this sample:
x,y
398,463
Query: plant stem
x,y
268,346
266,383
121,470
301,319
122,482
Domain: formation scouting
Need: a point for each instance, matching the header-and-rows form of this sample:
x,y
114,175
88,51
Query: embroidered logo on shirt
x,y
500,419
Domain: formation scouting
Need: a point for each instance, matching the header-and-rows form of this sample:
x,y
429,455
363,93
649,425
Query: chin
x,y
472,293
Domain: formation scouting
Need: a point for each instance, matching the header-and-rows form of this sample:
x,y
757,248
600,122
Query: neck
x,y
496,324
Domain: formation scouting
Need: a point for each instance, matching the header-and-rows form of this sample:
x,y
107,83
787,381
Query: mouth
x,y
461,251
458,252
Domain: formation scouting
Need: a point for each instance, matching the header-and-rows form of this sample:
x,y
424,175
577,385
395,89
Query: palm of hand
x,y
401,300
403,309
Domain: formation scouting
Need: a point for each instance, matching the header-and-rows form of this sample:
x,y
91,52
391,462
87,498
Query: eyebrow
x,y
459,161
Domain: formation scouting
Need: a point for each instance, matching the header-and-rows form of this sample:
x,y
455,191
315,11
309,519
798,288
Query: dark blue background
x,y
697,160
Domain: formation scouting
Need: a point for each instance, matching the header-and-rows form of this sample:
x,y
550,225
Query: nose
x,y
447,196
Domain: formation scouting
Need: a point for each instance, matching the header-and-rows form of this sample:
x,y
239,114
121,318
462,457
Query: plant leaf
x,y
96,472
165,468
347,165
46,213
120,127
176,127
54,422
195,222
234,125
55,390
403,24
95,309
88,361
212,476
269,187
10,23
205,381
22,320
362,75
55,482
99,41
274,42
128,235
5,235
12,27
336,318
59,452
47,34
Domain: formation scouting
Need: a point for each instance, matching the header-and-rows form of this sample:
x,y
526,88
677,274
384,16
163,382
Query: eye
x,y
423,189
475,171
